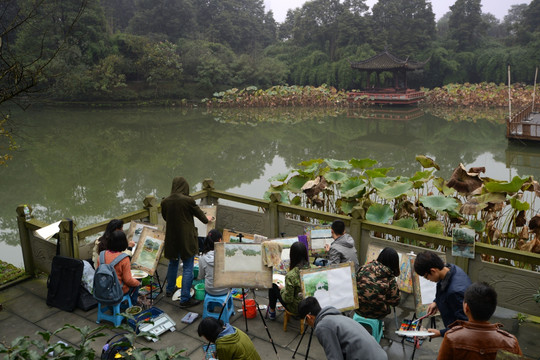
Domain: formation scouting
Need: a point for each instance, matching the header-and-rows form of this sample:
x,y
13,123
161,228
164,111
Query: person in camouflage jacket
x,y
377,286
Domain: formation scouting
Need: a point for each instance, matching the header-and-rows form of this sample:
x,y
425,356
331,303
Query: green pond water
x,y
93,164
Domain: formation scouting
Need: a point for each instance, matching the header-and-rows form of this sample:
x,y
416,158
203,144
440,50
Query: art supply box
x,y
160,322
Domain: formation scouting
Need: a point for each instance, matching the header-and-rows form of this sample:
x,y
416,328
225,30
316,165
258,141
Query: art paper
x,y
135,231
149,250
333,285
202,228
404,280
319,238
463,242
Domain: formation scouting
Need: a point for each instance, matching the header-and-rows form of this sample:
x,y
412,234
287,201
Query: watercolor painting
x,y
243,257
146,256
463,242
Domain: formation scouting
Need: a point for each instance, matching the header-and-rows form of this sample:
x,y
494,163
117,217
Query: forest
x,y
133,50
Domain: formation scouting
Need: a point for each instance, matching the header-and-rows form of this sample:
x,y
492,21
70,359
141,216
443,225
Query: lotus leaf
x,y
507,187
422,175
439,202
427,162
336,177
311,162
379,183
379,213
362,163
394,190
338,164
284,196
279,177
310,169
353,187
346,206
375,173
519,205
408,223
296,182
478,225
433,227
297,200
440,184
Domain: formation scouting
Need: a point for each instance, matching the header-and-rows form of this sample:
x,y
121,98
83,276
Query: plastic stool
x,y
115,318
286,317
375,324
211,301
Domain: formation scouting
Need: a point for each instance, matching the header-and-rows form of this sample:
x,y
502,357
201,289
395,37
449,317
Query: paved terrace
x,y
25,313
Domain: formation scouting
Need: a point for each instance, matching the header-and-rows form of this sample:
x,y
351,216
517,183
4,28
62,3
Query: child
x,y
206,264
377,286
231,342
290,294
116,244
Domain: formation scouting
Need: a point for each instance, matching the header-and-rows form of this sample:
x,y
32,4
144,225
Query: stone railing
x,y
515,286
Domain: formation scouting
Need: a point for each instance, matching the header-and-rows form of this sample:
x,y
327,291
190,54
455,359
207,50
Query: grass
x,y
9,272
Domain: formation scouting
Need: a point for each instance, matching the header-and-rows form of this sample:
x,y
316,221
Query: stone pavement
x,y
25,313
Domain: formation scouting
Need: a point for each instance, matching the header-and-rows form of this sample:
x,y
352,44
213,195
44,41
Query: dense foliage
x,y
147,49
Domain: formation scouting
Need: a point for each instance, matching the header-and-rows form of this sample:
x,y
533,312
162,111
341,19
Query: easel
x,y
308,346
240,236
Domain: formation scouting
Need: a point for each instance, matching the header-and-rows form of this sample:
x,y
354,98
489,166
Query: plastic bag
x,y
88,277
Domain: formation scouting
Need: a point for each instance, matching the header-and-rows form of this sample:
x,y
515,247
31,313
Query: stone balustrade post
x,y
24,237
273,213
151,204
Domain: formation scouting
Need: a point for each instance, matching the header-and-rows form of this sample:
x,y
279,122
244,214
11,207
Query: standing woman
x,y
290,294
206,264
377,286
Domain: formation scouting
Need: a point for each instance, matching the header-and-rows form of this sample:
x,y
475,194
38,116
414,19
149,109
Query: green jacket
x,y
377,290
236,346
178,210
292,289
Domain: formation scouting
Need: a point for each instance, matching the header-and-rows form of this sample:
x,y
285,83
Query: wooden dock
x,y
387,96
524,125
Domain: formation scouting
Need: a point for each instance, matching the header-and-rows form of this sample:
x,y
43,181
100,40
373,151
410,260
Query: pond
x,y
93,164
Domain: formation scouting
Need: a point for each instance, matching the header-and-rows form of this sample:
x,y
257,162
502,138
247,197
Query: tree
x,y
22,72
466,25
162,63
407,27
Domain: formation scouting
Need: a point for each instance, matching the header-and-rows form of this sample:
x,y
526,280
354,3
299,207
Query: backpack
x,y
116,349
107,287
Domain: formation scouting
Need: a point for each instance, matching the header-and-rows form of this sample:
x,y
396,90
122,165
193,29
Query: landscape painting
x,y
149,250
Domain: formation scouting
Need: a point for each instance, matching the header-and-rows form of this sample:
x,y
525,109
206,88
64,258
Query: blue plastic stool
x,y
211,301
115,318
375,324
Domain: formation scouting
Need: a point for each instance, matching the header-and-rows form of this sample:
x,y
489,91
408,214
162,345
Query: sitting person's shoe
x,y
270,315
169,293
191,302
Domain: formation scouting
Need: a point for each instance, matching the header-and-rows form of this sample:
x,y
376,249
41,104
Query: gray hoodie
x,y
342,250
206,272
343,338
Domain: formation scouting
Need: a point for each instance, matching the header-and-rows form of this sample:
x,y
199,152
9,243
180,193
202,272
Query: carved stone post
x,y
150,202
208,185
24,237
355,229
275,199
69,241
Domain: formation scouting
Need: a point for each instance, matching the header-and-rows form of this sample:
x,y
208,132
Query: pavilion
x,y
397,94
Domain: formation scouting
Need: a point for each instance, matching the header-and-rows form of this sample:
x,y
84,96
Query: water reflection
x,y
94,164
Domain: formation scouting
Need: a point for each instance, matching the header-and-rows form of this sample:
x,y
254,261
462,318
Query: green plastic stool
x,y
375,324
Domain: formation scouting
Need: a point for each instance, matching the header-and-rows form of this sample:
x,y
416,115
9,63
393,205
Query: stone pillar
x,y
150,202
24,238
208,185
69,241
275,199
355,229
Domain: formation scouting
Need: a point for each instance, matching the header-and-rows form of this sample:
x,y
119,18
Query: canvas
x,y
333,285
149,250
240,265
228,234
135,231
423,290
202,228
404,280
463,242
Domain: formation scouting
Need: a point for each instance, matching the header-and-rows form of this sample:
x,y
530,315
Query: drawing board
x,y
146,256
285,262
240,265
404,280
135,231
333,285
202,228
423,290
319,238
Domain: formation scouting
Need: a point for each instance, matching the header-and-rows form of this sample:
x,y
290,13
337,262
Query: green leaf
x,y
380,183
439,202
284,196
346,205
379,213
375,173
477,225
427,162
309,170
311,162
297,200
362,163
394,190
296,182
433,227
408,223
353,187
336,177
279,177
338,164
422,175
519,205
508,187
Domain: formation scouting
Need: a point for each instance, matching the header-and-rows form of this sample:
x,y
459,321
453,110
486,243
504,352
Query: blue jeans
x,y
187,277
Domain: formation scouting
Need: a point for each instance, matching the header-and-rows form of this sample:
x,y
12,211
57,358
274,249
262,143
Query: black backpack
x,y
112,348
107,287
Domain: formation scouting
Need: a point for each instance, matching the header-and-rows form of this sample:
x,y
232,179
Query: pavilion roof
x,y
386,61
